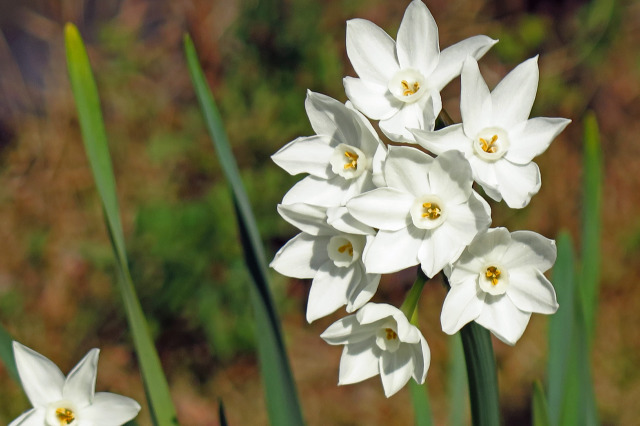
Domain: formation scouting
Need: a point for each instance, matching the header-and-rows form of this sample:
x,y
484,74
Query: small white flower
x,y
498,282
496,136
60,401
339,159
427,214
379,339
400,83
331,255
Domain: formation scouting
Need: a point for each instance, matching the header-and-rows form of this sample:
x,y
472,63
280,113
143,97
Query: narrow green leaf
x,y
540,410
561,328
421,407
222,417
95,141
481,370
282,401
6,354
592,218
458,402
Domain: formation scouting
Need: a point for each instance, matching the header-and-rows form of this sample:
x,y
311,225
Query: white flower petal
x,y
407,168
465,221
410,116
371,51
493,244
378,166
452,57
393,251
517,184
332,118
373,100
329,289
513,97
531,291
359,362
438,249
503,318
41,379
382,208
302,256
417,46
421,360
33,417
309,219
396,369
80,384
475,100
443,140
340,219
348,331
450,177
374,312
465,268
484,173
363,291
109,409
317,191
463,304
533,137
306,155
530,249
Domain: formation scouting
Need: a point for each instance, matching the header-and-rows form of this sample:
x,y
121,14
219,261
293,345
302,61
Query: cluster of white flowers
x,y
368,209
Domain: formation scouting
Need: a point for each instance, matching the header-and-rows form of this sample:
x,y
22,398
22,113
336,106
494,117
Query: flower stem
x,y
411,301
481,371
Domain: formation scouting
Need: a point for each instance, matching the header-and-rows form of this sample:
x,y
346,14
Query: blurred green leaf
x,y
95,141
281,394
458,402
421,407
561,327
540,411
6,354
221,415
591,225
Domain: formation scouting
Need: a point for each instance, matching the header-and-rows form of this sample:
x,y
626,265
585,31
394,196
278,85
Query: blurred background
x,y
57,271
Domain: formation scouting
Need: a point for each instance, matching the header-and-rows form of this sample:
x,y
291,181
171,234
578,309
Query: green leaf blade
x,y
95,141
420,400
281,395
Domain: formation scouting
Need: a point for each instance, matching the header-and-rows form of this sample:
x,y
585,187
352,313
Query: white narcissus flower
x,y
332,257
498,282
496,136
400,83
379,339
339,158
427,214
60,401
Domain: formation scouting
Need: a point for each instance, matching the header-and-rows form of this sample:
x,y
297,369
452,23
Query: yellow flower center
x,y
65,416
409,90
353,160
489,146
431,210
347,247
390,334
493,274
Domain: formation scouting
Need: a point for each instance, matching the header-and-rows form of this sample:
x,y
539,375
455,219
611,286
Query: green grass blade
x,y
95,141
561,328
420,401
458,402
222,417
591,226
6,354
481,370
540,410
281,395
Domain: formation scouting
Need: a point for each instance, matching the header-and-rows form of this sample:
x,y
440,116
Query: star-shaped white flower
x,y
379,339
498,282
332,257
60,401
339,158
427,214
496,136
400,83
